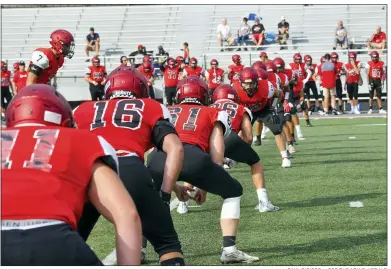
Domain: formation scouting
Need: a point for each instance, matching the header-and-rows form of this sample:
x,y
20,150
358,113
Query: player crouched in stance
x,y
238,143
257,95
202,130
49,169
132,123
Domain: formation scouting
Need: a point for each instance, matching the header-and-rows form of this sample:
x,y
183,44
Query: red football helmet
x,y
214,62
171,62
249,80
95,61
179,60
374,56
62,42
193,62
40,104
258,65
16,66
147,67
280,64
192,89
147,59
3,66
262,74
126,82
307,58
225,92
334,56
271,67
322,59
236,59
352,54
297,56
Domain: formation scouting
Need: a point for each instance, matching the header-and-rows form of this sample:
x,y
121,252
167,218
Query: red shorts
x,y
256,37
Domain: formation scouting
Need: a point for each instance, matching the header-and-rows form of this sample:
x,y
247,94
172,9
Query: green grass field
x,y
315,225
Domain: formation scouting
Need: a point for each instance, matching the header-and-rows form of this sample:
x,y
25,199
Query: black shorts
x,y
170,93
155,216
338,88
375,86
269,119
50,245
238,150
5,93
310,85
352,89
151,92
198,170
97,92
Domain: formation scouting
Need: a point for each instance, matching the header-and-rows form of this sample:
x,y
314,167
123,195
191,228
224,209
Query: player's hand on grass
x,y
182,192
200,197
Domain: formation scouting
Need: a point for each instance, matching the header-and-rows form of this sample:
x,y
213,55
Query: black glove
x,y
166,197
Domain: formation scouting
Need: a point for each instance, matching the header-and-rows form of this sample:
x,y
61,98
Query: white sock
x,y
286,144
284,154
230,249
298,129
262,195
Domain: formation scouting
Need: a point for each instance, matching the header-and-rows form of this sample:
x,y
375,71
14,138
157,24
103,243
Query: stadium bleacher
x,y
122,28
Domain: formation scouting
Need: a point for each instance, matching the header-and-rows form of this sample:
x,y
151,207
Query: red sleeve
x,y
16,77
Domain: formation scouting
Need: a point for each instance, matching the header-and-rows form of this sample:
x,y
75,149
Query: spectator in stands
x,y
341,36
124,61
283,33
243,34
258,31
377,40
96,77
93,41
20,78
186,53
224,34
136,57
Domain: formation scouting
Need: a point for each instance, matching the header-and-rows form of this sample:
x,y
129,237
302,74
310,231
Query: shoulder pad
x,y
40,59
224,118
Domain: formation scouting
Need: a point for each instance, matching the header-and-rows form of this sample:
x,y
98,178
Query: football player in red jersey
x,y
20,78
310,85
193,69
214,76
46,61
376,72
147,70
133,123
48,171
5,86
238,143
15,67
96,77
338,83
235,68
257,95
202,130
170,72
258,125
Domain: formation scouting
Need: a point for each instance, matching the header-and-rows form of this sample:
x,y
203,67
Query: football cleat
x,y
269,207
300,136
286,163
234,255
291,149
356,111
183,207
370,111
382,111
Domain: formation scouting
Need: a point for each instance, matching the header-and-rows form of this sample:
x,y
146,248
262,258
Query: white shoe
x,y
370,111
183,207
226,166
233,255
320,112
356,111
265,130
269,207
351,111
286,163
291,149
382,111
143,255
300,136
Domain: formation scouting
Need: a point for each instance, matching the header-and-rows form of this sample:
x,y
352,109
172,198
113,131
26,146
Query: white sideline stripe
x,y
344,117
372,124
110,259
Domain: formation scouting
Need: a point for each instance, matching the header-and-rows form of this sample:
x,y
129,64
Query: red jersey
x,y
234,71
310,69
328,78
20,79
147,75
284,80
97,73
45,59
376,70
274,79
298,73
171,76
194,123
351,75
214,77
235,111
260,99
46,171
338,69
127,124
378,38
190,71
288,72
5,78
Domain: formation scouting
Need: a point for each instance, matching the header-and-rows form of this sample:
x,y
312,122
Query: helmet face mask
x,y
249,80
192,90
126,82
63,43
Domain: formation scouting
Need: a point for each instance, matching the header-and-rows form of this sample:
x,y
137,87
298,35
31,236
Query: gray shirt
x,y
244,29
340,32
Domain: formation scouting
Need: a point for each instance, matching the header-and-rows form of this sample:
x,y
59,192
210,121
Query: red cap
x,y
263,54
140,46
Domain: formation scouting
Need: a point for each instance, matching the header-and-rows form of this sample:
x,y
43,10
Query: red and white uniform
x,y
338,68
194,124
45,59
190,71
298,73
20,79
97,73
214,77
351,75
148,75
5,78
234,71
235,111
46,171
260,99
171,76
310,69
274,79
375,70
126,124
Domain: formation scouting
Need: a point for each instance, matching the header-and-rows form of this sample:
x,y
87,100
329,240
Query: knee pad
x,y
231,208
